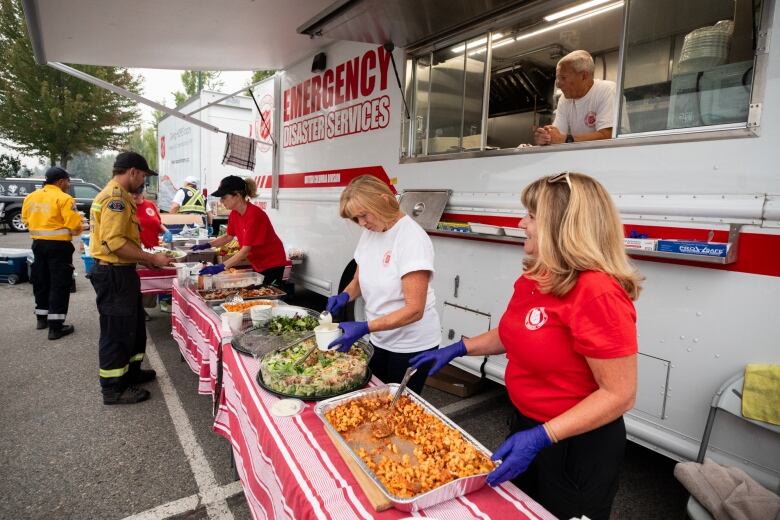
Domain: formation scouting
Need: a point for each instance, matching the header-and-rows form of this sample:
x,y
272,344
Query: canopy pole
x,y
131,95
249,87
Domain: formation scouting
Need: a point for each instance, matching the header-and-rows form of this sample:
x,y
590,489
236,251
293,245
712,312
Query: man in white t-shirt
x,y
586,108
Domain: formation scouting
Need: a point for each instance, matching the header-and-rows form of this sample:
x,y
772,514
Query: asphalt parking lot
x,y
65,455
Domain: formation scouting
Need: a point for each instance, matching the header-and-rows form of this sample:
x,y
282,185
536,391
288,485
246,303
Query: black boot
x,y
129,395
141,376
43,323
58,332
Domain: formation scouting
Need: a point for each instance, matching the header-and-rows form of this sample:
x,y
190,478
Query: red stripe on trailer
x,y
493,220
327,178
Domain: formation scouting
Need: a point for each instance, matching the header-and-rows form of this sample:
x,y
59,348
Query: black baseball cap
x,y
56,173
230,184
127,160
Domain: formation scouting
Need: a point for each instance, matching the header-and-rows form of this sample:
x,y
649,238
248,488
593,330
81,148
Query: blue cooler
x,y
88,263
13,265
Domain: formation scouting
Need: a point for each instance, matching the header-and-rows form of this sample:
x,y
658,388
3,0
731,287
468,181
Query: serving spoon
x,y
382,428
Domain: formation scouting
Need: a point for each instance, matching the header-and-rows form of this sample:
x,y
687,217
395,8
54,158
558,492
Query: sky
x,y
158,86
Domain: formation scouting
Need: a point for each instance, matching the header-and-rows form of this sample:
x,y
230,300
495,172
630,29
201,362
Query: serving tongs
x,y
383,426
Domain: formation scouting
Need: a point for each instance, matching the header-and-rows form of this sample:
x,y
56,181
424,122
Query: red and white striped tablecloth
x,y
289,467
156,281
198,331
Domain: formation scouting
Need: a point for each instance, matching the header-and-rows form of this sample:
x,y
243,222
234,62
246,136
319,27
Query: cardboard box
x,y
717,249
643,244
455,381
172,219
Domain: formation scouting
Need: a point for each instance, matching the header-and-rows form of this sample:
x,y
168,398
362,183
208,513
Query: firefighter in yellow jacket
x,y
115,244
52,219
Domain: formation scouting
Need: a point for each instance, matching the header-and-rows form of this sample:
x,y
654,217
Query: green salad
x,y
322,374
286,324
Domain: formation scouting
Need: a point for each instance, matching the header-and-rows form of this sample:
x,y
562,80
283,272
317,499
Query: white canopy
x,y
173,34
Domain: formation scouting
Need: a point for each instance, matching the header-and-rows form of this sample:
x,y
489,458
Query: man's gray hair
x,y
580,61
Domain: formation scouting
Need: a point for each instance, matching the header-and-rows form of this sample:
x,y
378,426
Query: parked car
x,y
14,190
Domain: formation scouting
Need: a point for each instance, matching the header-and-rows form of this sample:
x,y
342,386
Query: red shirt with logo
x,y
547,339
149,219
254,228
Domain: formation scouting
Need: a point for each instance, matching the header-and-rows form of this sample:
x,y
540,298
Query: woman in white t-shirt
x,y
394,267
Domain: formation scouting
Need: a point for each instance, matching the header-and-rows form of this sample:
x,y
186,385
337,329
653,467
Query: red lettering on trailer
x,y
361,76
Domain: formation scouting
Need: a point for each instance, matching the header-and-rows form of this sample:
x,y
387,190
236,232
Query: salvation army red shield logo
x,y
264,123
150,212
590,119
536,318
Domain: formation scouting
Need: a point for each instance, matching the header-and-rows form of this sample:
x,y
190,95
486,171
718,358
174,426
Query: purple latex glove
x,y
353,331
439,357
213,269
336,303
516,454
200,247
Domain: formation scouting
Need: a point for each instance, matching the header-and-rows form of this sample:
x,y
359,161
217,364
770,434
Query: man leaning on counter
x,y
586,108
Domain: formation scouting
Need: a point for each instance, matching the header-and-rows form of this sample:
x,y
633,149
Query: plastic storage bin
x,y
13,265
88,263
238,279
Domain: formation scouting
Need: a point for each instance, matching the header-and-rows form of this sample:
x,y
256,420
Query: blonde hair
x,y
578,229
370,194
251,188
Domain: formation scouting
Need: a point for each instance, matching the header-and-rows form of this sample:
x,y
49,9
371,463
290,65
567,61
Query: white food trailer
x,y
694,156
187,150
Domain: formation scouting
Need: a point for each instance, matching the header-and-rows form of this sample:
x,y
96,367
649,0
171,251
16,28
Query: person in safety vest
x,y
52,220
115,244
188,199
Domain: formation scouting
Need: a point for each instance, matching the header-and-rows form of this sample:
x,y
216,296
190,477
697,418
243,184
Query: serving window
x,y
686,65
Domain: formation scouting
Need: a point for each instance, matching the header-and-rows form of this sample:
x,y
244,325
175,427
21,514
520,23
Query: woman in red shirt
x,y
252,228
149,220
569,334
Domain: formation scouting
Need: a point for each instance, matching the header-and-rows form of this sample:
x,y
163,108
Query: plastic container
x,y
326,334
88,263
13,265
238,279
486,229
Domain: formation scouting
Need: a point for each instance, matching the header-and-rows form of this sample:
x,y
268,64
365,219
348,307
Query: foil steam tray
x,y
453,489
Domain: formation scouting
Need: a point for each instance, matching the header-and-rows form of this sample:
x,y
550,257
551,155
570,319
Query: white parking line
x,y
190,503
209,493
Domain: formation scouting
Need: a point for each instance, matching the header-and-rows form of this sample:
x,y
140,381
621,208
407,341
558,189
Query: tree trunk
x,y
64,160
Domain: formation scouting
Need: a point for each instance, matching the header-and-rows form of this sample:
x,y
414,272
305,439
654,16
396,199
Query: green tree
x,y
9,166
144,141
46,113
92,168
260,75
196,80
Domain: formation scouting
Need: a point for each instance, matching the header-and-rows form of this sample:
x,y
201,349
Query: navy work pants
x,y
52,276
122,343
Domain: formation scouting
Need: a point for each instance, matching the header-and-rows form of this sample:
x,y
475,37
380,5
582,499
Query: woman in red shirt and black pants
x,y
569,334
252,228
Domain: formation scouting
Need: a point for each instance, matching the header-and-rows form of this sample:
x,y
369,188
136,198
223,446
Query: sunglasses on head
x,y
559,177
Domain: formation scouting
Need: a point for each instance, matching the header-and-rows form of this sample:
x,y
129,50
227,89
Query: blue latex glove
x,y
210,230
200,247
439,357
213,269
167,237
336,303
353,331
516,454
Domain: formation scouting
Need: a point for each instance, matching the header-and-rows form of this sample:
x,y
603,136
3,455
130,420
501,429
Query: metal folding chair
x,y
729,399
